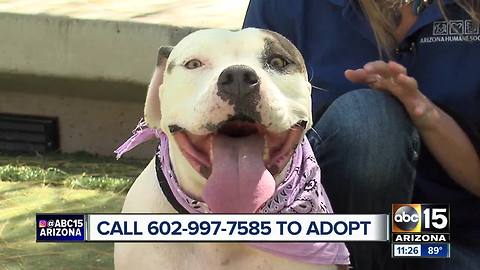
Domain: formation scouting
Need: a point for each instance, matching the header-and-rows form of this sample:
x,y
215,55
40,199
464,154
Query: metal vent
x,y
23,133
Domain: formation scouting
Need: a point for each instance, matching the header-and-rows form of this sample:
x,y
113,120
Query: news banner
x,y
415,230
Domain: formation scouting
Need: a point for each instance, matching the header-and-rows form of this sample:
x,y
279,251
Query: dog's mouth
x,y
277,147
239,161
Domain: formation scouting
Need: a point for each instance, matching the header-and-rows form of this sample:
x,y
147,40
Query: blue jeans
x,y
367,149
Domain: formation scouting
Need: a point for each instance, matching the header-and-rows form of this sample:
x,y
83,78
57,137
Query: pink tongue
x,y
239,182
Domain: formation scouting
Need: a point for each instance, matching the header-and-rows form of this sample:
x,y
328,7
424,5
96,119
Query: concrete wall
x,y
95,126
82,49
91,74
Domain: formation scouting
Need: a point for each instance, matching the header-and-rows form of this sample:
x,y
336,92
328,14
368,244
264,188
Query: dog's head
x,y
234,106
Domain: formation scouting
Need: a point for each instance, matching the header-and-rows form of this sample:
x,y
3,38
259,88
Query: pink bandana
x,y
300,192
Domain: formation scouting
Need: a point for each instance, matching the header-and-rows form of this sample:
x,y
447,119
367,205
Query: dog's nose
x,y
238,81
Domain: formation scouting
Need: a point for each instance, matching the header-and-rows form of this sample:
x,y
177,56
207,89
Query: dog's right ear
x,y
152,113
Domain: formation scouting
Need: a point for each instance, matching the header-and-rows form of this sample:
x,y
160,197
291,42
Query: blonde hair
x,y
381,17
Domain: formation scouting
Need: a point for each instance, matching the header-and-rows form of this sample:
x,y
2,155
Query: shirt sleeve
x,y
271,15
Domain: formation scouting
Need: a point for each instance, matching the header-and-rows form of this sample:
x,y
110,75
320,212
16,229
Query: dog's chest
x,y
218,256
213,256
145,196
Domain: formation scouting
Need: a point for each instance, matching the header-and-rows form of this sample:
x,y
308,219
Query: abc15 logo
x,y
420,218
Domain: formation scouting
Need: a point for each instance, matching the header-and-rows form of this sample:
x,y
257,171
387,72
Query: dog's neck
x,y
192,182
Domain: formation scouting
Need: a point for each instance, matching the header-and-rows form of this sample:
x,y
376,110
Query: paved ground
x,y
196,13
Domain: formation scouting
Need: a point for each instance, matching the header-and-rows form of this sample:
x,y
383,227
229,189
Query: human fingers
x,y
378,67
360,76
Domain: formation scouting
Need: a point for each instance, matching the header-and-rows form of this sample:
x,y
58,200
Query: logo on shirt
x,y
453,31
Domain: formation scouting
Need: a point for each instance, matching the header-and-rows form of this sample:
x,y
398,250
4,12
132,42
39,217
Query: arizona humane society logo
x,y
453,31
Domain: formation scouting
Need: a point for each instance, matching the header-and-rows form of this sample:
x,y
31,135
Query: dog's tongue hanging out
x,y
239,182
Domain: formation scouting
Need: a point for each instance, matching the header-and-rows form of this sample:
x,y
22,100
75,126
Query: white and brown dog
x,y
234,106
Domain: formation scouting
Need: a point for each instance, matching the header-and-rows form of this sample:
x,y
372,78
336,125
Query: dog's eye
x,y
193,64
278,62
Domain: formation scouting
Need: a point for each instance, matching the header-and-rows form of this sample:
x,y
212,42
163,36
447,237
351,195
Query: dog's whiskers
x,y
312,72
310,81
318,88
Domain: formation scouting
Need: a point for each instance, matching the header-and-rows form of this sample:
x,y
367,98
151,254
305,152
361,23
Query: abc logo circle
x,y
406,218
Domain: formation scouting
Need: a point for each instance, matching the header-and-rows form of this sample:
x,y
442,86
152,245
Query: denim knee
x,y
366,141
365,116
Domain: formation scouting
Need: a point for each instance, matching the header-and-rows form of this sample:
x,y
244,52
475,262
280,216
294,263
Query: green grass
x,y
75,183
19,203
71,170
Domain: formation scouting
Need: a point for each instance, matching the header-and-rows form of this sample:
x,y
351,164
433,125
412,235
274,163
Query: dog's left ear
x,y
152,112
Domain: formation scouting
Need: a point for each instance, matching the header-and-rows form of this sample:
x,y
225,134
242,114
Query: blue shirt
x,y
443,57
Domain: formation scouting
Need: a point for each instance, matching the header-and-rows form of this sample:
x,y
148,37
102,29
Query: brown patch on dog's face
x,y
277,45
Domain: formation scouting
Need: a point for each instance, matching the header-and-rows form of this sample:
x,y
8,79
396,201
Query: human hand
x,y
392,77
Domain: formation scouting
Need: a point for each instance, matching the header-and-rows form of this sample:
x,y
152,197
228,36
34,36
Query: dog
x,y
233,106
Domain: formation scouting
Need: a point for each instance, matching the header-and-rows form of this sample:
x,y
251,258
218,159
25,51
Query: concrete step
x,y
192,13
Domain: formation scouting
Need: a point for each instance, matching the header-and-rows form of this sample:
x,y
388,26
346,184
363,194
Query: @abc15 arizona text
x,y
420,223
